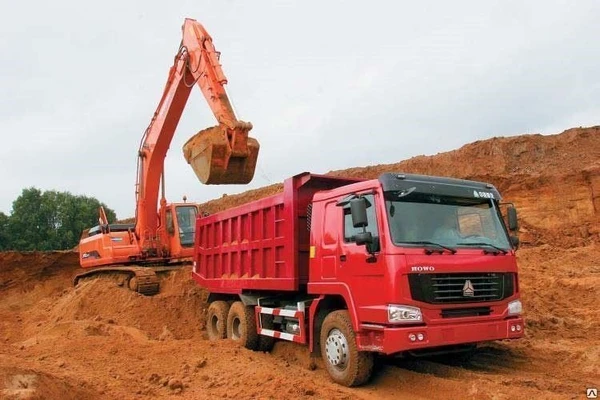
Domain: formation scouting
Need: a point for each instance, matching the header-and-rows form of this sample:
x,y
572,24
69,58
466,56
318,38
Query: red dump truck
x,y
353,268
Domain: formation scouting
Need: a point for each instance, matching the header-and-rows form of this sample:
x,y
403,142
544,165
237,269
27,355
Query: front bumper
x,y
390,340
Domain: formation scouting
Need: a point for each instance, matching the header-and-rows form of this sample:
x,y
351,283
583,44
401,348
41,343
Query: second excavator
x,y
224,154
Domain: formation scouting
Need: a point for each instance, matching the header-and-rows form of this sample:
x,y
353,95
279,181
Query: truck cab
x,y
421,261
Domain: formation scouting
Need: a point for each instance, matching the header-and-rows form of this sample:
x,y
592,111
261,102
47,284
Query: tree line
x,y
48,220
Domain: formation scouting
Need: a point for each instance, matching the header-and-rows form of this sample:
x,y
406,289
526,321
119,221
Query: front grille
x,y
461,287
465,312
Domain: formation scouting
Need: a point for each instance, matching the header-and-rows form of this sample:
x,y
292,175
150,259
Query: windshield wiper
x,y
450,249
500,249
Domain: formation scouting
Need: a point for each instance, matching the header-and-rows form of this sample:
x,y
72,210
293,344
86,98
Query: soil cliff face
x,y
100,340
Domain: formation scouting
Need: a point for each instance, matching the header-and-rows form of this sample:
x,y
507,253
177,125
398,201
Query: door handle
x,y
343,257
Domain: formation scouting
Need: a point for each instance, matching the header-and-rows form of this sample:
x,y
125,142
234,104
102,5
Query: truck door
x,y
362,272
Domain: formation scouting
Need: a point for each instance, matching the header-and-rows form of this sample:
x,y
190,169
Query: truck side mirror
x,y
358,210
513,223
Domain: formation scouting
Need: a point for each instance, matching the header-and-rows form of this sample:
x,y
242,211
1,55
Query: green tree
x,y
25,220
52,220
4,236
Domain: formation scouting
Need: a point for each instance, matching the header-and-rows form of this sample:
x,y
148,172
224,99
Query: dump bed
x,y
262,245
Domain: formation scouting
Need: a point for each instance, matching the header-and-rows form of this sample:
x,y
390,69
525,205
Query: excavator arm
x,y
223,154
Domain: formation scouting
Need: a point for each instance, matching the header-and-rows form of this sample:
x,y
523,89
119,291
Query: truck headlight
x,y
515,307
404,314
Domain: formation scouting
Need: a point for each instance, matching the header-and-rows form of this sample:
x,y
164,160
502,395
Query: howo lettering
x,y
329,263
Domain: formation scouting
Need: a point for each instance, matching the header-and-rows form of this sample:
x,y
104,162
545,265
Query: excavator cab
x,y
222,155
181,225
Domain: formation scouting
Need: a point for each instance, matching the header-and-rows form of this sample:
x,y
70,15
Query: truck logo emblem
x,y
468,289
422,268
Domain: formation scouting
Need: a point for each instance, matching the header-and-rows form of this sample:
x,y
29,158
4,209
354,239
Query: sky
x,y
327,85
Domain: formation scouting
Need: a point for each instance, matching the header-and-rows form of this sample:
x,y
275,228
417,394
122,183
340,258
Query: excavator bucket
x,y
222,155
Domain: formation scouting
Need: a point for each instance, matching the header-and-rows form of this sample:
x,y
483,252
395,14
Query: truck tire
x,y
266,343
346,365
216,320
241,325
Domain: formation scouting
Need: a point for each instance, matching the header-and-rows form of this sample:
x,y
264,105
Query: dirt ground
x,y
102,341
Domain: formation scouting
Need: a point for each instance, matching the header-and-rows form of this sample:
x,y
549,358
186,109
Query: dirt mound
x,y
559,285
101,340
230,201
175,313
532,155
24,269
29,384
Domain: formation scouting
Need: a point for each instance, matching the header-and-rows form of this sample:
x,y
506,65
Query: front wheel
x,y
345,364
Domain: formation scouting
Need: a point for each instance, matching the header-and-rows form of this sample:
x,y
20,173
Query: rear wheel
x,y
345,364
216,320
241,325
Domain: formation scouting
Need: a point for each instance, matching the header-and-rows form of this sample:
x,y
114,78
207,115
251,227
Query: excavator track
x,y
142,280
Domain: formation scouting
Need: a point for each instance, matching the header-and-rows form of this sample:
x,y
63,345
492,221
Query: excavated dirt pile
x,y
100,340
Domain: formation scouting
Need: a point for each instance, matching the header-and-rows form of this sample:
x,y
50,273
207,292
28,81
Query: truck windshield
x,y
448,221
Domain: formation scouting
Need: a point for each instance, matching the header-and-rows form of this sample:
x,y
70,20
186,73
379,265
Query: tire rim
x,y
236,328
336,348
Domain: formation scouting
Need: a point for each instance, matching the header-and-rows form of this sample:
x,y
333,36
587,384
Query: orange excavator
x,y
161,240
